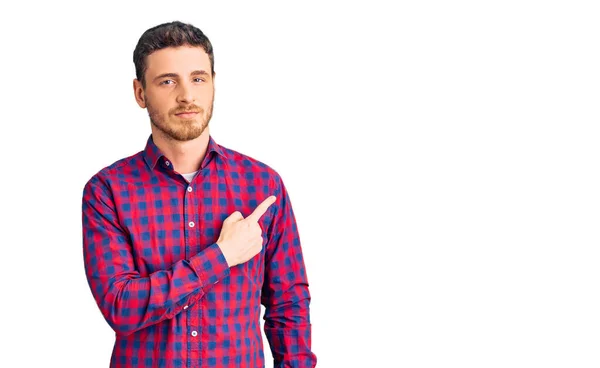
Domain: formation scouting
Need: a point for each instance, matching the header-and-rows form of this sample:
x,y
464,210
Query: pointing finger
x,y
261,209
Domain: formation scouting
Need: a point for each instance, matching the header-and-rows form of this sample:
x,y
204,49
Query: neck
x,y
185,157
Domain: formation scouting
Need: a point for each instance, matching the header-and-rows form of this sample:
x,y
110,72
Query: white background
x,y
441,156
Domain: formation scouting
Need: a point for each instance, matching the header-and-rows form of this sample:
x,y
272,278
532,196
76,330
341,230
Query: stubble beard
x,y
180,129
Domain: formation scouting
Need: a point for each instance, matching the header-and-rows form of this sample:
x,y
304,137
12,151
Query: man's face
x,y
178,80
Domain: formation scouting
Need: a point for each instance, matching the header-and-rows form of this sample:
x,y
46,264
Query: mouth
x,y
187,115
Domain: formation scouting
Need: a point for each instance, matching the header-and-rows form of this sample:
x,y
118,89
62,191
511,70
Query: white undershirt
x,y
190,176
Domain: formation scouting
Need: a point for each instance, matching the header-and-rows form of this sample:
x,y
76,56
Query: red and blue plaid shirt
x,y
161,281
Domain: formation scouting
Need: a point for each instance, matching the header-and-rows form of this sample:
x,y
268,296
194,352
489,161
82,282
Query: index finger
x,y
261,209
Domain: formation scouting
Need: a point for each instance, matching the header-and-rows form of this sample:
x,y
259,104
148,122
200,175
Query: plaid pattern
x,y
161,281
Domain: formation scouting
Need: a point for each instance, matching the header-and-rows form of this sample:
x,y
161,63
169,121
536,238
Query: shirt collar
x,y
152,153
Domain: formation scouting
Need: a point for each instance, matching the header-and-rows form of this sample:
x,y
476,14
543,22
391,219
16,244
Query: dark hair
x,y
165,35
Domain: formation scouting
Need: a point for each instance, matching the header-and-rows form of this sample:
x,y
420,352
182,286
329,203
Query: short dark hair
x,y
172,34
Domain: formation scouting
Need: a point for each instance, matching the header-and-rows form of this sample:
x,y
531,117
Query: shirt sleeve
x,y
285,293
128,301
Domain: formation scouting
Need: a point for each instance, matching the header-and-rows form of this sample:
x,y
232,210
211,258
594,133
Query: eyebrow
x,y
175,75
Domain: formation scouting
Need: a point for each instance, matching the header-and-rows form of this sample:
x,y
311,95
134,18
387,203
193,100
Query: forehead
x,y
182,59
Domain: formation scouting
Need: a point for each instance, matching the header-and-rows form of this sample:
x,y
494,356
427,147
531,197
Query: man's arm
x,y
285,293
128,301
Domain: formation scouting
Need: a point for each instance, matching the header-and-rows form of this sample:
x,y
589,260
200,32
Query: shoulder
x,y
251,168
119,170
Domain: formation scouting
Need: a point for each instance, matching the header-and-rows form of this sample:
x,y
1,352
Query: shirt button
x,y
194,333
189,189
185,307
167,163
191,224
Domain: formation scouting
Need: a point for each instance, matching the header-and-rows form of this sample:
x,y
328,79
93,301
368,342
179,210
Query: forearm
x,y
132,302
288,330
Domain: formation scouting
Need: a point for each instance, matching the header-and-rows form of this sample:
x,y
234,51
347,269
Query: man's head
x,y
174,67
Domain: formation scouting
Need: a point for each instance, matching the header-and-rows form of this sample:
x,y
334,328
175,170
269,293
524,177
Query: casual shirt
x,y
161,281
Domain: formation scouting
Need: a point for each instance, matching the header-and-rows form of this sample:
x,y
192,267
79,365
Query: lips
x,y
187,115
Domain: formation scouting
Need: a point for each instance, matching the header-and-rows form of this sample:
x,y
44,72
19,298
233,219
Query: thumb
x,y
234,217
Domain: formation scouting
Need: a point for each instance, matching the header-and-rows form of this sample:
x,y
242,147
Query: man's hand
x,y
241,238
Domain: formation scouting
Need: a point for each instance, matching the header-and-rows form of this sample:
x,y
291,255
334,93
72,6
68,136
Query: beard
x,y
181,129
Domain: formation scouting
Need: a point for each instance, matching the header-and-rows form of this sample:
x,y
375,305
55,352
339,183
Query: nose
x,y
185,93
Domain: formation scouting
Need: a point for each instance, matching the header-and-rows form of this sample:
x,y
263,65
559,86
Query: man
x,y
184,240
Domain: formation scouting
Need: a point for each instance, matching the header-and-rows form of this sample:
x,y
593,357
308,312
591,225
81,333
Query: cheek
x,y
156,110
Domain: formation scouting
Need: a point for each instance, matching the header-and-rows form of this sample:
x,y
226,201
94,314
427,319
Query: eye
x,y
166,80
200,79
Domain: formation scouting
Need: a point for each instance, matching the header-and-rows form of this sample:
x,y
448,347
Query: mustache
x,y
189,109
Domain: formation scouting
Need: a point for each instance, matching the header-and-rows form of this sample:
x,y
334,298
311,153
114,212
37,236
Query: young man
x,y
184,240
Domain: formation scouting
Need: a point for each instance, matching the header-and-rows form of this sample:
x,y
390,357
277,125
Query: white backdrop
x,y
441,157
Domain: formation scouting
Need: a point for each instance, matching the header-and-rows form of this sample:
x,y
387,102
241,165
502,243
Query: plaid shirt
x,y
163,284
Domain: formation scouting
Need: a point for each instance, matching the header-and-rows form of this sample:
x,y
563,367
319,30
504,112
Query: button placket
x,y
191,225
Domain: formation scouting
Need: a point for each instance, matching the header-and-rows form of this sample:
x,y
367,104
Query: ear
x,y
138,93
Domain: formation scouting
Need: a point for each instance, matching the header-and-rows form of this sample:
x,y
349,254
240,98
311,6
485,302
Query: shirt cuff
x,y
210,265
